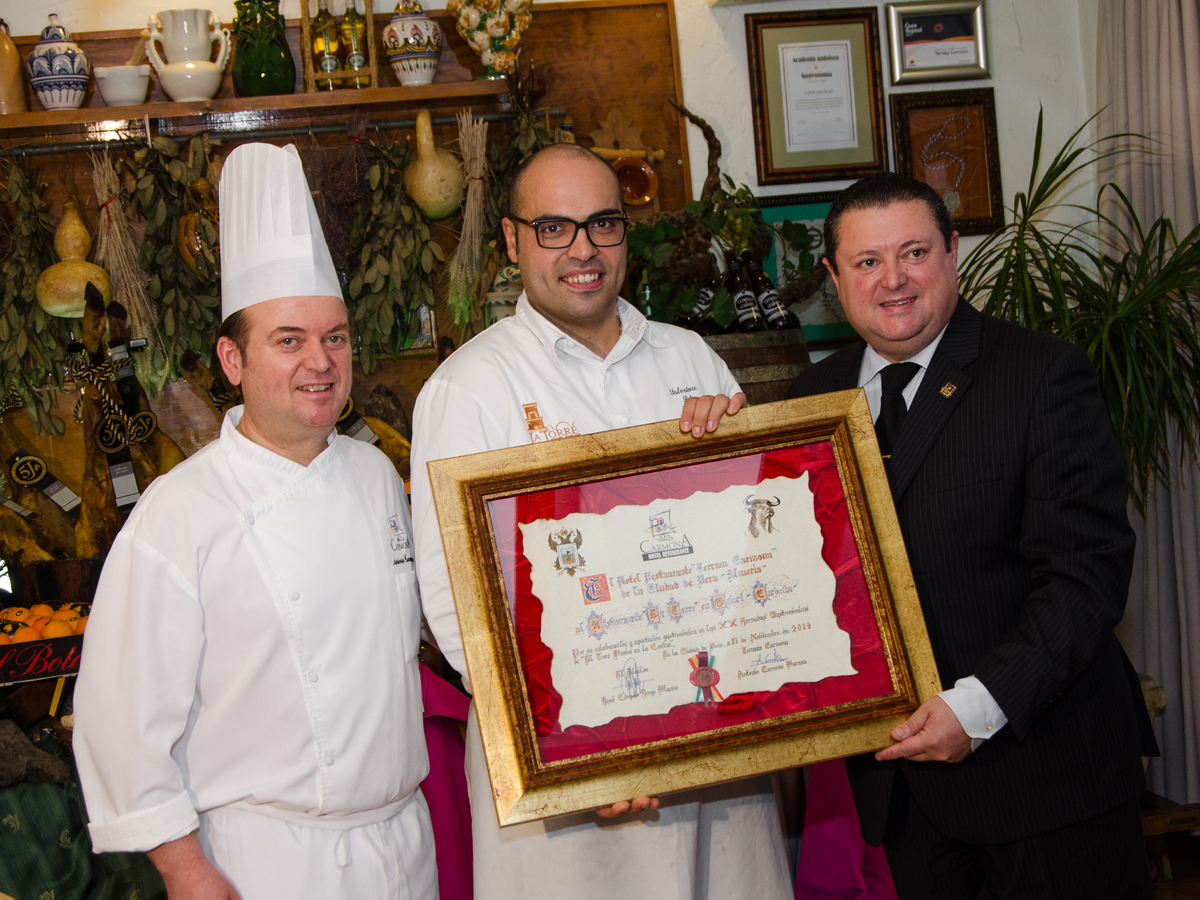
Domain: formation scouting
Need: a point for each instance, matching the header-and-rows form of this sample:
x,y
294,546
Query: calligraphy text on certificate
x,y
649,607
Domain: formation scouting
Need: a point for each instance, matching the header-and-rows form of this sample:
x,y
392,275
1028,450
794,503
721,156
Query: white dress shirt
x,y
978,713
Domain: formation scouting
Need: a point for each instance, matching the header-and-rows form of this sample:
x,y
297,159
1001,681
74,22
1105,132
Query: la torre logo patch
x,y
540,432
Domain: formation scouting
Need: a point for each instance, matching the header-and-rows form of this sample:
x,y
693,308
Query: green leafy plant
x,y
1124,292
189,301
31,342
392,260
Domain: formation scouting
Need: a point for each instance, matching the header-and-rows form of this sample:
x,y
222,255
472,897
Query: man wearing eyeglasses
x,y
576,359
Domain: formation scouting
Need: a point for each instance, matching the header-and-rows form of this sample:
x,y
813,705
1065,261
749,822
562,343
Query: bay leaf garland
x,y
393,261
189,302
32,343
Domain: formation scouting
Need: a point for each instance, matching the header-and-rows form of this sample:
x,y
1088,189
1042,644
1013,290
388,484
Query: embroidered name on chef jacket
x,y
540,432
401,546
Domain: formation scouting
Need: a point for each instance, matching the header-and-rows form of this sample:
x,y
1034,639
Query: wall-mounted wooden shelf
x,y
228,114
237,114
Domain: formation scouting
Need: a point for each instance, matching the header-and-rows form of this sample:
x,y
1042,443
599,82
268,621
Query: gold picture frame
x,y
830,126
484,499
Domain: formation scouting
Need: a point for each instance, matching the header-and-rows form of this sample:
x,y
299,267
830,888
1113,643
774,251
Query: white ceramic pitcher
x,y
187,36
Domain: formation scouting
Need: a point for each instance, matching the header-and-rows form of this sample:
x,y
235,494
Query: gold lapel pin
x,y
948,389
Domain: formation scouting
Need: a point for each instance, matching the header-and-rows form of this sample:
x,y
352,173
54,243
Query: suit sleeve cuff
x,y
978,713
146,828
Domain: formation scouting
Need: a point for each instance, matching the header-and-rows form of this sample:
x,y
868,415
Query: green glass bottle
x,y
262,62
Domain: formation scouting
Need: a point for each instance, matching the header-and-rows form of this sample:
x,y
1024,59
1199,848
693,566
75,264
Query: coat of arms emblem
x,y
565,543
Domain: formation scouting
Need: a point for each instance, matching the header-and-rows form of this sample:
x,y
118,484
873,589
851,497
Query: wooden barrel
x,y
764,363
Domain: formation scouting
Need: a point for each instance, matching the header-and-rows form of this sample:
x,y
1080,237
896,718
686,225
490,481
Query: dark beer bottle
x,y
745,304
777,315
700,318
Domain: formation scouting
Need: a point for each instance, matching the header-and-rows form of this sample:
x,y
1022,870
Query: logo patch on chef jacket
x,y
539,431
401,547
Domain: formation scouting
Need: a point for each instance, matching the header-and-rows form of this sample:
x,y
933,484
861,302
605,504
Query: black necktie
x,y
892,408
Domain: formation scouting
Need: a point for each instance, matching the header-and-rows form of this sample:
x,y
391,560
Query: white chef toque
x,y
271,241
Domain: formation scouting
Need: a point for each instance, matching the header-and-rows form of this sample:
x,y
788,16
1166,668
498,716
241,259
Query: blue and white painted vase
x,y
58,68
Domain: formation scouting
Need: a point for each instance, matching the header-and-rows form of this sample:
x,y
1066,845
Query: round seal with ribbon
x,y
705,678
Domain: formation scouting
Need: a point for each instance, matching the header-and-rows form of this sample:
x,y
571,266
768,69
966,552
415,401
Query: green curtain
x,y
46,854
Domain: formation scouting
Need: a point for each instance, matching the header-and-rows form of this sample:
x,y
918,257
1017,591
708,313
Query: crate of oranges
x,y
41,641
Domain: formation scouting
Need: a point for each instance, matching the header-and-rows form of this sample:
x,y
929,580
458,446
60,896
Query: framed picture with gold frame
x,y
645,613
948,140
816,94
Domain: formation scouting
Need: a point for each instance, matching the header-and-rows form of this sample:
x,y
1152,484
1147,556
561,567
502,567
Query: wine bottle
x,y
354,39
745,304
326,46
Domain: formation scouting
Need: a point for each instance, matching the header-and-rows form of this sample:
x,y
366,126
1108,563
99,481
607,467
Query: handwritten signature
x,y
631,679
761,660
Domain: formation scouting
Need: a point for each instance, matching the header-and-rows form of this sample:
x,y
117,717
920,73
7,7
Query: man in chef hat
x,y
249,709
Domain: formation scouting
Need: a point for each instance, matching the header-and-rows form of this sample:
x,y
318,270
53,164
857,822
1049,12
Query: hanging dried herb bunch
x,y
33,342
188,300
117,253
392,260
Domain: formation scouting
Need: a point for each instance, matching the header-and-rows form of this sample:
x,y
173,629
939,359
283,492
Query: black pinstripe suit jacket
x,y
1010,490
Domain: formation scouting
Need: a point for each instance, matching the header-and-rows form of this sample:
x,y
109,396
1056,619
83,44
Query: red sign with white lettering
x,y
35,660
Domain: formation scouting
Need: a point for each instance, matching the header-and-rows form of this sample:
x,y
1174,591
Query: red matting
x,y
852,603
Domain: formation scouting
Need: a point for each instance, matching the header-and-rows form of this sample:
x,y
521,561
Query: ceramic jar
x,y
58,68
12,89
493,29
187,36
413,43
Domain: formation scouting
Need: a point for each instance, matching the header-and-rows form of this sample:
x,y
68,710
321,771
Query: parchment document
x,y
651,607
818,96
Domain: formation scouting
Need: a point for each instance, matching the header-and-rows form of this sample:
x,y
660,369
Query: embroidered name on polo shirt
x,y
675,392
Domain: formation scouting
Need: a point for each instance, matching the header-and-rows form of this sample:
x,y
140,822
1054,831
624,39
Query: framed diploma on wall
x,y
644,613
938,41
817,95
948,140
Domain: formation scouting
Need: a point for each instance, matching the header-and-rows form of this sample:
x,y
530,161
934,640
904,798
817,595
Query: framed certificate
x,y
643,612
938,41
816,95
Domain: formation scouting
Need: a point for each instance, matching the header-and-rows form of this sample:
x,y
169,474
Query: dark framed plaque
x,y
948,140
643,612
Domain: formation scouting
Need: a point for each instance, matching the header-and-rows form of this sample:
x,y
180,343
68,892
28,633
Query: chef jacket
x,y
523,381
253,646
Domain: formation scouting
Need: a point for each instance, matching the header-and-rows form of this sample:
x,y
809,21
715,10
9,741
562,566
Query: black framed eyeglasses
x,y
557,234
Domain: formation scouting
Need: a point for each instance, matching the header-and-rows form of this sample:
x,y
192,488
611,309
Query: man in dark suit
x,y
1022,778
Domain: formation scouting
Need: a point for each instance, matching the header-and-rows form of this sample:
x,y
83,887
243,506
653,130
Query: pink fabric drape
x,y
835,862
445,788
